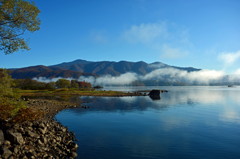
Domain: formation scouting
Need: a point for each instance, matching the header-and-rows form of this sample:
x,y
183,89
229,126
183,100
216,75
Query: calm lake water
x,y
187,122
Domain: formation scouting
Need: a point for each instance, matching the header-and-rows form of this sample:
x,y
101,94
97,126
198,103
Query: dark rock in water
x,y
164,91
98,87
154,94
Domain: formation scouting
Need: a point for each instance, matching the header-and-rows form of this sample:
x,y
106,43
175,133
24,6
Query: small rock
x,y
16,137
16,150
25,157
7,143
73,155
44,139
21,130
42,125
40,142
1,137
73,146
64,129
32,134
11,157
50,157
6,153
43,131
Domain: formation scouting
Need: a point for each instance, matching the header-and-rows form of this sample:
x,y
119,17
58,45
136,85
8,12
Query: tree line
x,y
30,84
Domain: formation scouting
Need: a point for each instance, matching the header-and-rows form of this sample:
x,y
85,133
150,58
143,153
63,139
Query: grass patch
x,y
66,91
27,114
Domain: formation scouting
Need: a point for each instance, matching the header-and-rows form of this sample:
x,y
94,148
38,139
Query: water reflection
x,y
178,97
185,123
225,101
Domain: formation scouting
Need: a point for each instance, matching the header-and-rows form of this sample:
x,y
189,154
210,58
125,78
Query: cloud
x,y
172,74
167,39
229,58
235,77
47,80
146,33
237,72
169,74
123,79
99,37
156,65
170,52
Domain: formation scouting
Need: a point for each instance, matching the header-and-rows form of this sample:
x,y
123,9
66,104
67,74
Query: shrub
x,y
84,84
29,84
63,83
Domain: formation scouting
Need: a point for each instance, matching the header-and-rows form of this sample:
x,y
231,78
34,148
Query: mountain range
x,y
80,67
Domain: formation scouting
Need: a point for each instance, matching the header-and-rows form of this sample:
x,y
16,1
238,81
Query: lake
x,y
187,122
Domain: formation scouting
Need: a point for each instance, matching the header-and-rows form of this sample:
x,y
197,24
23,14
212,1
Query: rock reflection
x,y
155,97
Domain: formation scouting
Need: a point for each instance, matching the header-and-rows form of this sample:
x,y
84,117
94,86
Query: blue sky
x,y
198,33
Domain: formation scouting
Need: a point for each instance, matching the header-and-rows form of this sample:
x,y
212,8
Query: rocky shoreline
x,y
44,138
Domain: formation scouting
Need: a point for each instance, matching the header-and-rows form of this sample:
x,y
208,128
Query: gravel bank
x,y
45,138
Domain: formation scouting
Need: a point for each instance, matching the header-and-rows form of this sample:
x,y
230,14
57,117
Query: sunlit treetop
x,y
16,17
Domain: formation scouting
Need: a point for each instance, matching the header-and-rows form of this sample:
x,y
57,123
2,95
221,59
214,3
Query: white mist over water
x,y
123,79
202,76
165,74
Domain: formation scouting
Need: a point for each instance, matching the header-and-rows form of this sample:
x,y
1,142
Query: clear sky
x,y
199,33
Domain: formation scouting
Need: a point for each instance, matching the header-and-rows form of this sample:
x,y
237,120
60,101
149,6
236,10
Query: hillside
x,y
115,68
78,68
44,71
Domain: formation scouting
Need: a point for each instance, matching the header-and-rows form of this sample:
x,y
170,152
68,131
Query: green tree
x,y
63,83
10,102
50,85
74,84
5,84
16,17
